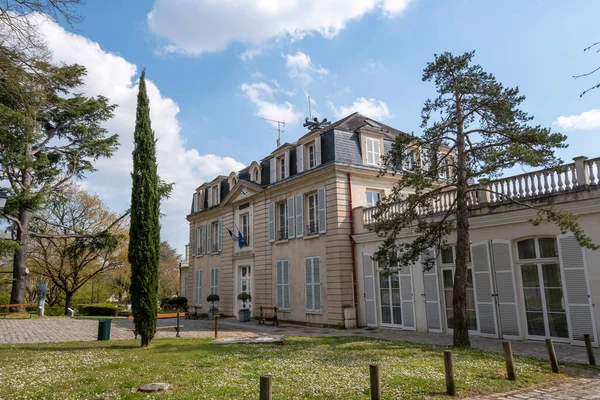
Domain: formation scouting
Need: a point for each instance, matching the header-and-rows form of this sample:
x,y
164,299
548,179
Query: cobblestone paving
x,y
584,388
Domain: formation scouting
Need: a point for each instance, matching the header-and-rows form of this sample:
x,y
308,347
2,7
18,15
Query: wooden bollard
x,y
449,367
590,350
266,387
375,382
510,363
552,356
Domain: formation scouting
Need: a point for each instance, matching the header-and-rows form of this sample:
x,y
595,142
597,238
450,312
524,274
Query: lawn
x,y
303,368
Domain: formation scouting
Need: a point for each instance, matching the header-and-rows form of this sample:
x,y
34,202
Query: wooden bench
x,y
4,309
268,314
162,328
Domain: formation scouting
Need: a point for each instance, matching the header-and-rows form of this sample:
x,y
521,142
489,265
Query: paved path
x,y
584,388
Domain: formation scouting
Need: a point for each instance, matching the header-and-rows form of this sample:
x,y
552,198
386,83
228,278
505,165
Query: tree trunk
x,y
459,301
17,294
145,341
68,301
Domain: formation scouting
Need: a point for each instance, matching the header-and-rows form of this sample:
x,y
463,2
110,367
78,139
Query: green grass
x,y
303,368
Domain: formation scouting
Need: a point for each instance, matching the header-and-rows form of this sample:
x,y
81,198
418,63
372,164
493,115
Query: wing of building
x,y
292,230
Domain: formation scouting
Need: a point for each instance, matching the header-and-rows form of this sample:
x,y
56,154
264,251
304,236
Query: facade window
x,y
408,162
215,237
256,176
426,157
312,214
214,281
283,284
312,162
245,227
198,287
216,195
542,288
312,269
448,257
444,168
373,151
282,168
199,241
373,197
282,218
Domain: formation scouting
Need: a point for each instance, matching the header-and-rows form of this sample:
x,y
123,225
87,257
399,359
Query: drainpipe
x,y
355,288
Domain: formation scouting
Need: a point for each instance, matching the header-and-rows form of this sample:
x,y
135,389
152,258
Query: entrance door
x,y
245,285
391,305
448,285
544,301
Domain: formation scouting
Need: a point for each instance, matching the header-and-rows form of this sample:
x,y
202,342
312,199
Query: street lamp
x,y
3,198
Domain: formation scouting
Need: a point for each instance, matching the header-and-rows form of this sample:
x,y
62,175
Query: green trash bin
x,y
104,329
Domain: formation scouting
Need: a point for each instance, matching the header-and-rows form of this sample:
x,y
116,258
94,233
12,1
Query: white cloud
x,y
371,108
263,97
302,68
116,78
250,54
375,65
586,120
199,26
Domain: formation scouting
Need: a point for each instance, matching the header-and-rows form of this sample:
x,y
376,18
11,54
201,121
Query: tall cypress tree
x,y
144,231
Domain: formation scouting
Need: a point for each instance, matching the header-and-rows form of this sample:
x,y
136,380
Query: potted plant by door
x,y
244,313
214,310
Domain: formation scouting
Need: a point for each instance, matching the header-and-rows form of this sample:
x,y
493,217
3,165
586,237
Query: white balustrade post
x,y
581,171
483,195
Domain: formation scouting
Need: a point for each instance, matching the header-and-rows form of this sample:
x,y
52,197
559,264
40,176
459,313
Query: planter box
x,y
244,315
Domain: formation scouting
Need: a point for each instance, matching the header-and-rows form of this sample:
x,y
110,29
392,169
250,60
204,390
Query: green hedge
x,y
56,311
4,298
174,301
100,309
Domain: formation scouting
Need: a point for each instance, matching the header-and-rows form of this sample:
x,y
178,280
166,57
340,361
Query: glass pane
x,y
386,315
548,247
448,294
530,276
396,297
558,325
472,320
384,281
535,323
470,299
376,197
397,315
554,300
526,249
447,278
533,299
551,273
385,297
450,318
395,281
447,257
369,199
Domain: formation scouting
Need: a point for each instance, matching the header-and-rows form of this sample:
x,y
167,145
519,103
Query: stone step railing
x,y
583,172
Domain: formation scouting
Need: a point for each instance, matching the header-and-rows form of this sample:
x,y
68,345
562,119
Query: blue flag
x,y
240,239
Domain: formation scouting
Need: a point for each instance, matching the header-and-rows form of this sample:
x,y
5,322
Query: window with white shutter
x,y
214,281
483,286
283,285
373,147
209,234
273,170
322,203
194,235
220,234
209,195
299,215
291,218
433,310
198,291
299,158
199,240
312,269
318,151
204,239
271,216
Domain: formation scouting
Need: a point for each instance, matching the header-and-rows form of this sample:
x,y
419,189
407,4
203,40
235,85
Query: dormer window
x,y
373,147
312,161
256,175
281,161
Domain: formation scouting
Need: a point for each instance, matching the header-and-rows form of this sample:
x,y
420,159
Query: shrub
x,y
56,311
4,298
179,302
100,309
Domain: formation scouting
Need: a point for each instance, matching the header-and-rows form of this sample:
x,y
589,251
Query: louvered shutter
x,y
308,285
204,250
407,298
318,150
271,212
482,286
506,288
433,309
317,282
322,210
279,285
218,194
291,218
220,234
209,237
577,289
198,287
369,290
194,236
286,160
273,165
198,240
299,158
286,284
210,197
201,199
300,215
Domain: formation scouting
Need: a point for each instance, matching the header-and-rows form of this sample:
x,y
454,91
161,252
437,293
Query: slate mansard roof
x,y
340,142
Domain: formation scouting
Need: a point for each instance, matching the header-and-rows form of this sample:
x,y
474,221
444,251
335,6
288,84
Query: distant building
x,y
303,214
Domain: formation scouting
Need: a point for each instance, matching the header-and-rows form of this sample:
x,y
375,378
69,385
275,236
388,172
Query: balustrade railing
x,y
582,173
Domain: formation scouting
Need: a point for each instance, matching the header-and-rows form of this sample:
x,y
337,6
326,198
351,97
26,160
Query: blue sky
x,y
365,55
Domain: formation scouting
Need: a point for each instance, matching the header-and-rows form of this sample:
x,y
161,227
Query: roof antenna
x,y
280,125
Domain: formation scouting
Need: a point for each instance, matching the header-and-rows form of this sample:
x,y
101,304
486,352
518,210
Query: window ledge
x,y
312,236
282,241
314,312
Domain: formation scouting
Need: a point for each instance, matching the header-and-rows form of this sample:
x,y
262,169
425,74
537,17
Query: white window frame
x,y
245,227
214,280
214,232
281,162
375,155
280,217
314,215
312,160
281,285
313,286
198,288
370,193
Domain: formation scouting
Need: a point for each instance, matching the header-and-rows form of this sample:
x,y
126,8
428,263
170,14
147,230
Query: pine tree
x,y
144,233
473,130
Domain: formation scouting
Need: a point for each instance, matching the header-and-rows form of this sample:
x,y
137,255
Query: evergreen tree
x,y
474,129
144,233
